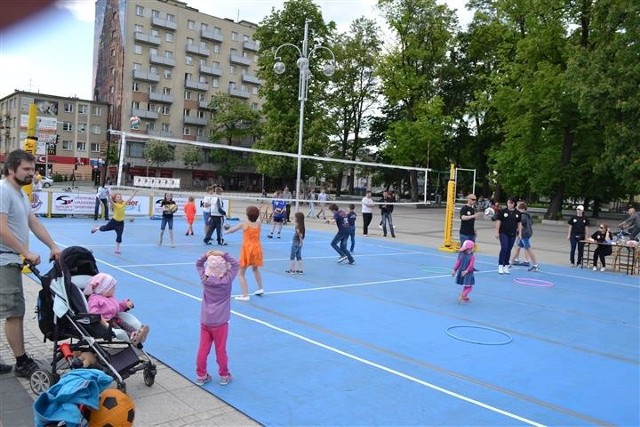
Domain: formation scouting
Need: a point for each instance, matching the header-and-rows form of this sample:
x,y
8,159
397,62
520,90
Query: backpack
x,y
44,312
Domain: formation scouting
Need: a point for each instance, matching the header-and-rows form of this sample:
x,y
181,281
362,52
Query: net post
x,y
448,245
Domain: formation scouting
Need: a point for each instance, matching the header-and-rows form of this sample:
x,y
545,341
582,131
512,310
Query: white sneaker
x,y
342,259
506,269
500,270
603,269
241,298
595,268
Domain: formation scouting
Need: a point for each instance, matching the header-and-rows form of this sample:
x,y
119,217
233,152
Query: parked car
x,y
46,182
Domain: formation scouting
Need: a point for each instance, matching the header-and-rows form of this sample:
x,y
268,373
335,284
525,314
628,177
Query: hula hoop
x,y
507,341
533,282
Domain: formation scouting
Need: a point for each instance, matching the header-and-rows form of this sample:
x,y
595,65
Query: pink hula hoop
x,y
533,282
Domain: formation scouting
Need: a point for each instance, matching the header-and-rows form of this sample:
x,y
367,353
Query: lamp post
x,y
303,80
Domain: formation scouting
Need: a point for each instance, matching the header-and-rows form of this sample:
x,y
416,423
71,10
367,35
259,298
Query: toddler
x,y
463,270
296,245
217,271
101,289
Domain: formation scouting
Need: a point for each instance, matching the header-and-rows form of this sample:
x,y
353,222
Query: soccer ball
x,y
115,409
489,213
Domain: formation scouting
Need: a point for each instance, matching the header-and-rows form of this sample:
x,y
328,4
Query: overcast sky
x,y
52,53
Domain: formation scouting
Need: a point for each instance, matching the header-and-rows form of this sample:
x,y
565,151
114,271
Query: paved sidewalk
x,y
176,401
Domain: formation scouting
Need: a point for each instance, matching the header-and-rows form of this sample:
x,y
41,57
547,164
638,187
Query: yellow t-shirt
x,y
118,210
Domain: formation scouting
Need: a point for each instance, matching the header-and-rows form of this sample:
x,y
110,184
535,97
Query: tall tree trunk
x,y
413,185
555,206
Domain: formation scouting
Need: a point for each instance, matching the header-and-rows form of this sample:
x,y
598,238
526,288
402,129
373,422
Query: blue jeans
x,y
506,244
352,237
576,244
387,218
464,237
342,249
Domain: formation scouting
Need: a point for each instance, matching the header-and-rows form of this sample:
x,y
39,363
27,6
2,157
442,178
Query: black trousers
x,y
366,220
215,223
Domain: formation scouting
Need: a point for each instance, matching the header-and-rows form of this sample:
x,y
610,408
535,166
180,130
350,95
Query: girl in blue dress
x,y
463,270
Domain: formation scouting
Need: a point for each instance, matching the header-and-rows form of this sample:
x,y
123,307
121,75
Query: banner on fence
x,y
156,182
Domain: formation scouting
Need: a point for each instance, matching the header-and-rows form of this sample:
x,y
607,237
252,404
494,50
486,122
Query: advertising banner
x,y
39,202
69,203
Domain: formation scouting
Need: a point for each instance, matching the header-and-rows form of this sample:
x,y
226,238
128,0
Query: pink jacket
x,y
107,307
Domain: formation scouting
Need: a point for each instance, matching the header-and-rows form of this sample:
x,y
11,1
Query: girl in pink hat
x,y
463,270
101,289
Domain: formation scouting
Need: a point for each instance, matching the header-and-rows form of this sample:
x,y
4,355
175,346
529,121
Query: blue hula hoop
x,y
507,341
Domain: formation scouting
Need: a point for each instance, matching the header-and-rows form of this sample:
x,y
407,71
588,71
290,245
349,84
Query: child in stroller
x,y
64,318
101,289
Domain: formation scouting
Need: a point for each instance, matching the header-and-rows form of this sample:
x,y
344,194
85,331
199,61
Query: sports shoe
x,y
299,272
514,262
225,379
525,264
595,268
270,236
242,298
603,269
26,369
505,269
4,368
352,262
500,270
203,381
138,337
94,229
290,271
259,292
342,259
534,268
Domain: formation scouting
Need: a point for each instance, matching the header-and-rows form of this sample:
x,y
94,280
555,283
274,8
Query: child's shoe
x,y
225,379
259,292
242,298
299,272
203,381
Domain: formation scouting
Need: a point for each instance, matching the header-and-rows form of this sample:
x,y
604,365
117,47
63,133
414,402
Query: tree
x,y
353,92
157,152
412,77
280,92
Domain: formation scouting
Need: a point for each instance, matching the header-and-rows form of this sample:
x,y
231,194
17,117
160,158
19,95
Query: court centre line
x,y
348,355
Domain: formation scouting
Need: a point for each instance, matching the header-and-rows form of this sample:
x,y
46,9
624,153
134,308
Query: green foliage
x,y
232,119
191,156
158,152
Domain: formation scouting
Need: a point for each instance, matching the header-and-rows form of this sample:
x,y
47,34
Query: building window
x,y
187,94
200,131
139,10
81,146
135,105
201,114
204,27
137,66
188,60
169,37
68,107
151,126
216,48
67,145
155,33
152,88
97,110
168,74
68,126
191,24
96,129
82,127
171,18
166,128
232,69
153,51
136,149
185,112
254,90
138,28
137,49
166,110
203,79
234,36
95,147
83,109
189,41
201,97
168,54
155,13
215,82
166,91
186,130
135,87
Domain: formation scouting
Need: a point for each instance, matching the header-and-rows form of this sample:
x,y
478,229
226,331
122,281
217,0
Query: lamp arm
x,y
333,57
275,54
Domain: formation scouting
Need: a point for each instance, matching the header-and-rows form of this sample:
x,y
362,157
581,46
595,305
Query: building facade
x,y
161,61
72,132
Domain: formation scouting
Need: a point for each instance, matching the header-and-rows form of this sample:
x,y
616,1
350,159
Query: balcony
x,y
162,60
249,78
161,22
144,114
197,50
204,105
216,36
212,71
192,84
237,59
239,93
146,76
160,97
146,38
251,45
198,121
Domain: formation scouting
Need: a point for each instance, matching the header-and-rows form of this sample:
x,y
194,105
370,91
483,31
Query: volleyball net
x,y
320,173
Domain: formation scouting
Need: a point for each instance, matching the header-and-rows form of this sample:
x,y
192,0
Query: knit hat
x,y
215,266
100,284
468,244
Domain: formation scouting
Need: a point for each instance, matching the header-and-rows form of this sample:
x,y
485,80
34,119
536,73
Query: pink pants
x,y
216,335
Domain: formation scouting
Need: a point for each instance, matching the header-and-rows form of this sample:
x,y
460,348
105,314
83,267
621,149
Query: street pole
x,y
304,74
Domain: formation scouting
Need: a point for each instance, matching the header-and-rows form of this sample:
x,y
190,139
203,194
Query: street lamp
x,y
305,74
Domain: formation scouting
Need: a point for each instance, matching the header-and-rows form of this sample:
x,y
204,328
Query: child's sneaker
x,y
603,269
203,381
242,298
534,268
299,272
259,292
225,379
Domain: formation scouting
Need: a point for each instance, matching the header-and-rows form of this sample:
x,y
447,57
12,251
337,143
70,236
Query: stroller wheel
x,y
149,375
40,381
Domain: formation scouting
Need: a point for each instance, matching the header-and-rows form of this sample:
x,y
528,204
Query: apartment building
x,y
161,61
72,132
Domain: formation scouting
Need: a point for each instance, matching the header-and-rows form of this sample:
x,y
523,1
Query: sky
x,y
52,52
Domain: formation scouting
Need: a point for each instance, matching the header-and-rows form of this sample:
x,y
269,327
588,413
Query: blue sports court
x,y
384,342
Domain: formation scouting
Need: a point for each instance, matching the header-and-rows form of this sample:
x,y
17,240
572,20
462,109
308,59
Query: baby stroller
x,y
64,319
